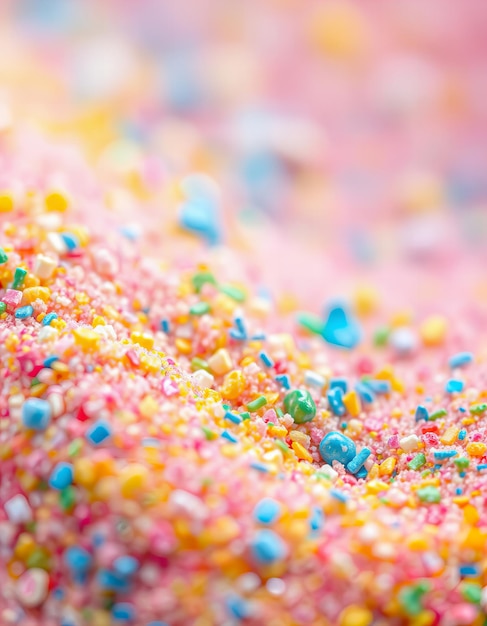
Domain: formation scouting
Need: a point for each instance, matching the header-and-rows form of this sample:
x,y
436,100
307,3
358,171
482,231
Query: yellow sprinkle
x,y
401,318
56,201
476,448
86,338
84,472
470,514
387,466
468,421
365,300
25,546
374,471
433,330
183,346
301,452
352,403
376,486
148,407
98,321
133,479
425,618
300,437
449,437
355,615
6,203
36,293
233,385
461,500
418,542
143,339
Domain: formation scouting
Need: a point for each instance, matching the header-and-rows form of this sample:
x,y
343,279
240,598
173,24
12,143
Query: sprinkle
x,y
335,400
202,278
3,307
3,256
314,380
444,454
381,336
300,405
335,446
429,494
266,360
310,322
340,329
341,383
220,362
165,327
70,240
99,432
365,393
257,404
417,462
19,277
409,443
351,400
126,565
357,462
338,495
78,559
437,414
267,547
235,293
283,380
36,414
240,326
24,312
48,318
260,467
476,448
462,434
200,308
462,462
123,611
61,476
229,437
50,360
478,409
454,386
460,359
481,466
267,511
233,417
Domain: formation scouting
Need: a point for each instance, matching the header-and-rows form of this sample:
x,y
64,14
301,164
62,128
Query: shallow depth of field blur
x,y
341,139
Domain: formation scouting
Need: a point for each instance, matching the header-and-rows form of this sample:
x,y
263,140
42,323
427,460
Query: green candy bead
x,y
300,405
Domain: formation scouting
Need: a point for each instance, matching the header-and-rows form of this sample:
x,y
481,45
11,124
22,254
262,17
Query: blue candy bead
x,y
36,413
62,476
267,511
336,446
24,312
125,565
267,547
78,559
100,431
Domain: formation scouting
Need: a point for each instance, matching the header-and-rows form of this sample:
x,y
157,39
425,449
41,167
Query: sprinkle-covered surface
x,y
169,452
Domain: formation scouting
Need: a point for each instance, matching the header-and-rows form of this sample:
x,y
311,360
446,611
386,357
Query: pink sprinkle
x,y
12,299
169,387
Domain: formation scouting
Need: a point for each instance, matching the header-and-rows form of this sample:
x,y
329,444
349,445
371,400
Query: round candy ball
x,y
300,405
336,446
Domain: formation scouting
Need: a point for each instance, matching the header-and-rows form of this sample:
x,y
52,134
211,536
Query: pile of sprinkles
x,y
168,458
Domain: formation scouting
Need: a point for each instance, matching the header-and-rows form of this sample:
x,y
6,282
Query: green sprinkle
x,y
67,498
279,411
199,364
381,336
418,462
476,409
245,415
310,322
280,444
472,592
35,381
257,404
200,308
411,597
3,256
429,494
19,277
462,463
437,414
74,447
209,434
235,293
201,278
3,307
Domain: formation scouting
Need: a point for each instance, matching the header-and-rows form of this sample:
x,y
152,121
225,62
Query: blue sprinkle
x,y
421,413
338,495
98,540
240,325
229,437
47,319
362,473
260,467
126,565
267,547
379,386
165,326
481,466
58,593
468,571
200,216
131,232
259,337
340,329
336,446
50,360
462,410
458,491
445,454
267,511
335,400
24,312
238,607
70,240
78,559
436,466
357,462
110,580
341,383
283,380
266,360
462,434
236,334
462,474
233,417
454,386
365,393
317,519
460,359
61,476
36,413
123,611
97,433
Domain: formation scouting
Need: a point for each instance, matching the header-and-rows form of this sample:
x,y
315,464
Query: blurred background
x,y
332,144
